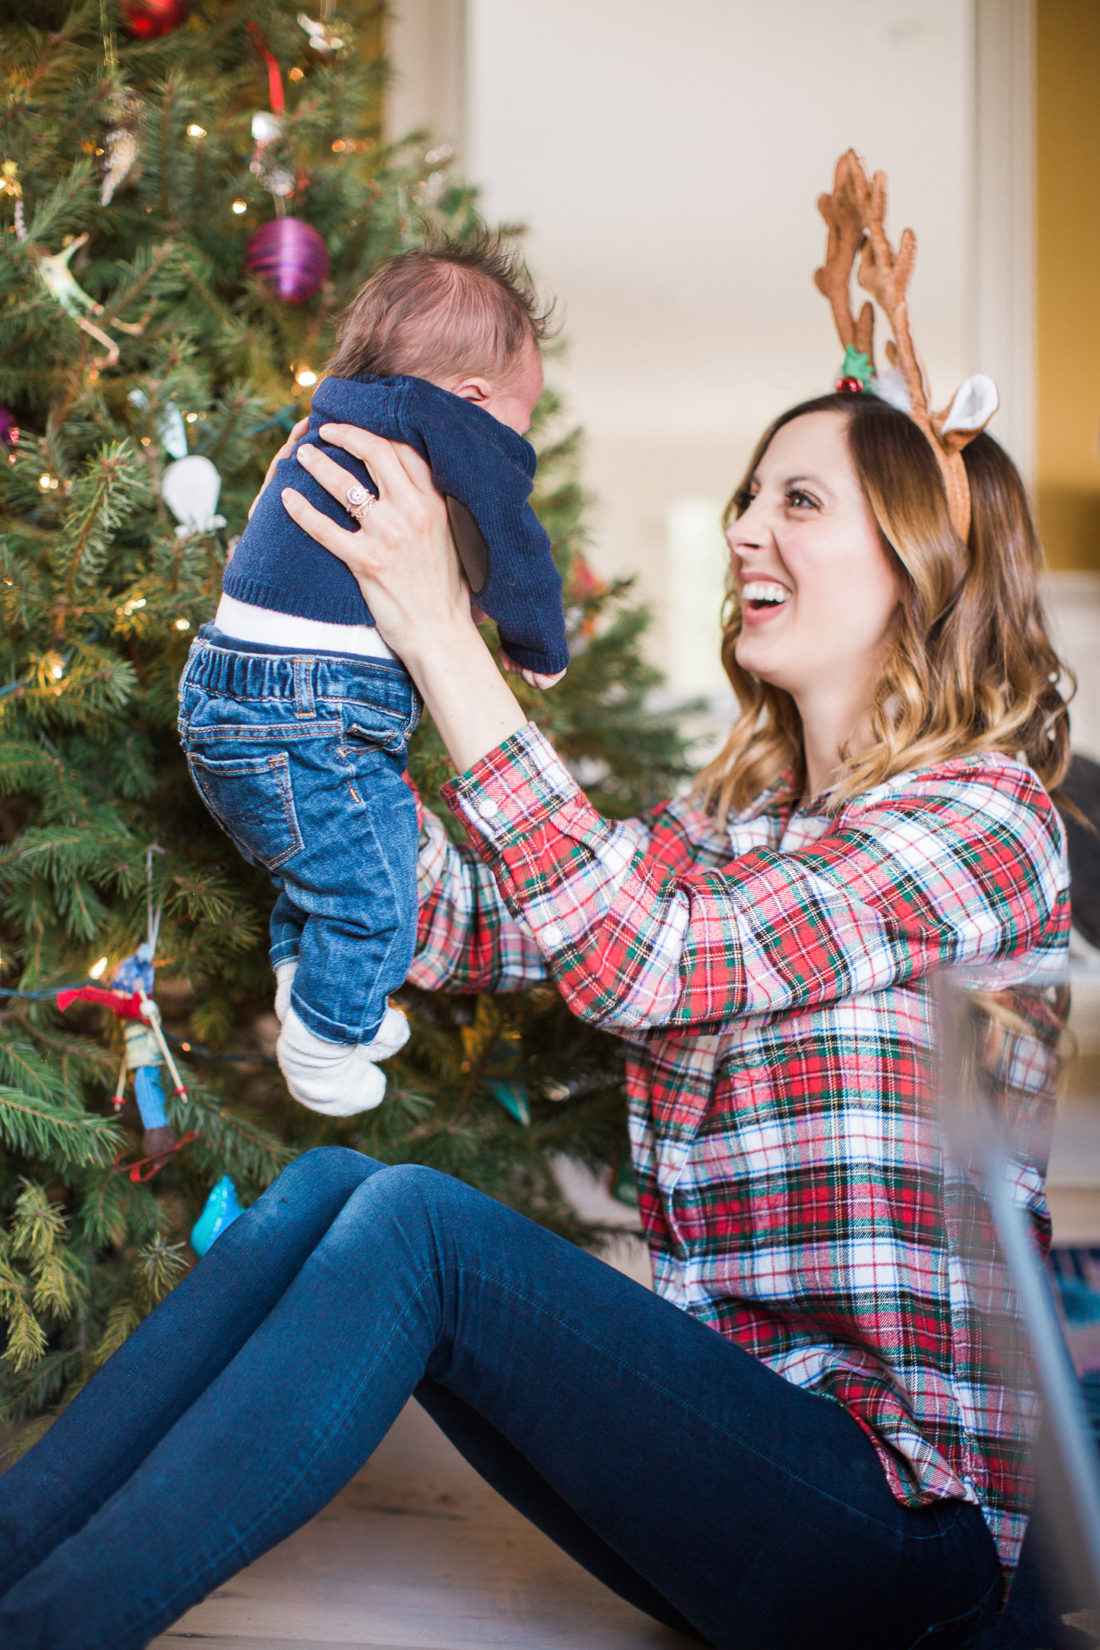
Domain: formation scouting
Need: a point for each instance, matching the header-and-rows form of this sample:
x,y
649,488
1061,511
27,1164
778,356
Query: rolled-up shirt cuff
x,y
511,790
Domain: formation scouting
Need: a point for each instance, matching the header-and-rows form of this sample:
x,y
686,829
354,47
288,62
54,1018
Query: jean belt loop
x,y
303,687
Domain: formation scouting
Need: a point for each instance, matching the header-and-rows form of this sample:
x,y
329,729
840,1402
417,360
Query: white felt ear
x,y
889,385
972,405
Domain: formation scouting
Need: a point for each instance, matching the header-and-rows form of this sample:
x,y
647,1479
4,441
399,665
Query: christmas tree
x,y
187,201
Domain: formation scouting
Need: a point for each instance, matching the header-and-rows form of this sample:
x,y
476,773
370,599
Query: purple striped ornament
x,y
290,257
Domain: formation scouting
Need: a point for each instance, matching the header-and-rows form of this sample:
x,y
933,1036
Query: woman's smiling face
x,y
818,586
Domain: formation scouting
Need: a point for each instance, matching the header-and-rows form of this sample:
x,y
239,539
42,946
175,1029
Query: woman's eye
x,y
801,500
741,500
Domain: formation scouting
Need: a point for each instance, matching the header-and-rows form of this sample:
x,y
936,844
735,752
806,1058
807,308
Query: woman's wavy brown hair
x,y
972,668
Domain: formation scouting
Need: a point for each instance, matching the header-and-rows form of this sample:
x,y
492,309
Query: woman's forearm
x,y
465,694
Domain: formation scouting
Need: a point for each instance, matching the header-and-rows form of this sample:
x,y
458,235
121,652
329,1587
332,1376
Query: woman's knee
x,y
417,1206
324,1169
415,1186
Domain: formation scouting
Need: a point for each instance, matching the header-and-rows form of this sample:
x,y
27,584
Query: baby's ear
x,y
476,390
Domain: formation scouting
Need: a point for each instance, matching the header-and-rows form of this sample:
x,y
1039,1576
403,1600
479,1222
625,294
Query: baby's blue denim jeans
x,y
300,758
696,1482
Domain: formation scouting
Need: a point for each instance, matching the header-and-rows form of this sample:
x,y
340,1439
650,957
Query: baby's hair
x,y
444,310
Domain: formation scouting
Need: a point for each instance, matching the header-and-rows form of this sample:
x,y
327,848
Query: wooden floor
x,y
416,1554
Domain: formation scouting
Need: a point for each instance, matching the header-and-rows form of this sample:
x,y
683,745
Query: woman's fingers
x,y
347,545
394,466
332,476
400,550
403,480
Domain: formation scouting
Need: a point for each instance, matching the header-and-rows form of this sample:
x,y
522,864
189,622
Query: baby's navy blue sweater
x,y
473,458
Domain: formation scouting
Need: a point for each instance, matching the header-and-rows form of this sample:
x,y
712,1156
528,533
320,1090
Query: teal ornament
x,y
512,1096
623,1186
857,365
219,1211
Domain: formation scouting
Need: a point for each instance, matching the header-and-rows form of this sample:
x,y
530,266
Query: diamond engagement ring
x,y
358,501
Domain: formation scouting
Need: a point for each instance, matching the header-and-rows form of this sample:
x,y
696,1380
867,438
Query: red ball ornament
x,y
850,386
148,19
289,257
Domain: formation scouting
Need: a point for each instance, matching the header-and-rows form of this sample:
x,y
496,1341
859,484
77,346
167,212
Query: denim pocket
x,y
372,728
252,800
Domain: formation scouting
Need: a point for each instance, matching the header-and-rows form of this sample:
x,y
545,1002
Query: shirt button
x,y
487,808
552,934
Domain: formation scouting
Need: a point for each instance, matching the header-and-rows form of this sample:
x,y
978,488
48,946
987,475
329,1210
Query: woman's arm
x,y
470,937
963,864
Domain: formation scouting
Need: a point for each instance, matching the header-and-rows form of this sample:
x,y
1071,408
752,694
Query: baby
x,y
295,715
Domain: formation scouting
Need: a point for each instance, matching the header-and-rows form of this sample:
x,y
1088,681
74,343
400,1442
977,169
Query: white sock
x,y
338,1079
391,1035
284,979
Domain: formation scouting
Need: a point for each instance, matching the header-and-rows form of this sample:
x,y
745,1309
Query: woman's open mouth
x,y
762,597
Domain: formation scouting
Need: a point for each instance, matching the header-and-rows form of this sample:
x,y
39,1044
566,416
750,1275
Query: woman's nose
x,y
744,536
750,531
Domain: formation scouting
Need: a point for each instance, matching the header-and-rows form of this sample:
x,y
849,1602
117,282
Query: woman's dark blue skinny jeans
x,y
687,1476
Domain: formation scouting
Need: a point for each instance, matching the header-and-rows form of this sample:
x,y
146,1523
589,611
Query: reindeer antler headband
x,y
855,213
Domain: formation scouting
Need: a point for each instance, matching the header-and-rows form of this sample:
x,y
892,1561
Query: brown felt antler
x,y
886,274
856,217
843,212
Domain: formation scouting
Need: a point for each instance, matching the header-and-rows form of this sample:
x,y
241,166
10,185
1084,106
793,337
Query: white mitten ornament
x,y
190,488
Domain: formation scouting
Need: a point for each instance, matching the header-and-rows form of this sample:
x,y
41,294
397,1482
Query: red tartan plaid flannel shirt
x,y
772,980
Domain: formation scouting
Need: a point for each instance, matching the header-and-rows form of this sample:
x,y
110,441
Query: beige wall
x,y
667,160
426,47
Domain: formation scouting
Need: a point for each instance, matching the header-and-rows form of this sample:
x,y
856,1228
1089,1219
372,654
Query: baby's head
x,y
464,317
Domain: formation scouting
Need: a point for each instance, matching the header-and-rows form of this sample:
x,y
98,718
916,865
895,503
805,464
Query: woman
x,y
807,1435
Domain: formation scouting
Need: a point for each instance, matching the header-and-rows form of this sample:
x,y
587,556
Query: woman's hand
x,y
398,547
285,451
405,563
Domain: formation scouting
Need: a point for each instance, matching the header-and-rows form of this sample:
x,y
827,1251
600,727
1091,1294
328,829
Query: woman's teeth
x,y
763,592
